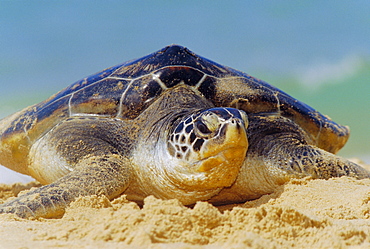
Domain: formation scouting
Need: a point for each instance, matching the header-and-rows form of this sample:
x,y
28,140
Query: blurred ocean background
x,y
317,51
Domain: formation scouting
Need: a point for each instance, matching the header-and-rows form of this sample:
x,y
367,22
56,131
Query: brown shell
x,y
125,90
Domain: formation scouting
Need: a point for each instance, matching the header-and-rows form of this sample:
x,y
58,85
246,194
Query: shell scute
x,y
139,94
172,76
101,98
208,88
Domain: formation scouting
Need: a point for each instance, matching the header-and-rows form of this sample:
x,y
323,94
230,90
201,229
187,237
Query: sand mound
x,y
304,213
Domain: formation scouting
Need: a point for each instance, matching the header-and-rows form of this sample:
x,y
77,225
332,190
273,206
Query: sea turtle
x,y
171,124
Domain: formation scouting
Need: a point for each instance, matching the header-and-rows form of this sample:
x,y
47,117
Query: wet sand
x,y
303,213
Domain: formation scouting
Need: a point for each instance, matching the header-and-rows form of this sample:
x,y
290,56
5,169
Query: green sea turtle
x,y
171,124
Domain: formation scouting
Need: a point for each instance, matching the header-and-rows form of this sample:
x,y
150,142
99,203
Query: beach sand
x,y
303,213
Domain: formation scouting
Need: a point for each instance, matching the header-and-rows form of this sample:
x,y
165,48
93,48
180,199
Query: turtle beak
x,y
224,155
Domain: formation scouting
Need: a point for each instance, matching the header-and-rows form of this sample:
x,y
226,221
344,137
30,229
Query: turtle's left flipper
x,y
325,165
100,175
286,151
307,160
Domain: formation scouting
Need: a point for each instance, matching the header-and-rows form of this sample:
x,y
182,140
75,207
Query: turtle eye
x,y
202,127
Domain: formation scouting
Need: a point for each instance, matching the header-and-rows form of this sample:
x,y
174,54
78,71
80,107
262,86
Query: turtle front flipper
x,y
297,159
79,157
280,150
283,144
99,175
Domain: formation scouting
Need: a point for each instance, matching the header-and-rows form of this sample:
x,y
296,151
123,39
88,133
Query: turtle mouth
x,y
227,157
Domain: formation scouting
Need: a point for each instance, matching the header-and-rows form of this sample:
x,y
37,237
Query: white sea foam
x,y
324,72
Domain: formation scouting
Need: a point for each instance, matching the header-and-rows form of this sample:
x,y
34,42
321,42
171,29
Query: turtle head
x,y
210,146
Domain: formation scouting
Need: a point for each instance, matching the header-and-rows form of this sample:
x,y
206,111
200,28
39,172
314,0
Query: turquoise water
x,y
317,51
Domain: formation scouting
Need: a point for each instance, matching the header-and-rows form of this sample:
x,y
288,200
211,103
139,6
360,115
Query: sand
x,y
303,213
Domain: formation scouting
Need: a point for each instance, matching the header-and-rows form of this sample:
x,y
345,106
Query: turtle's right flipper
x,y
103,175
